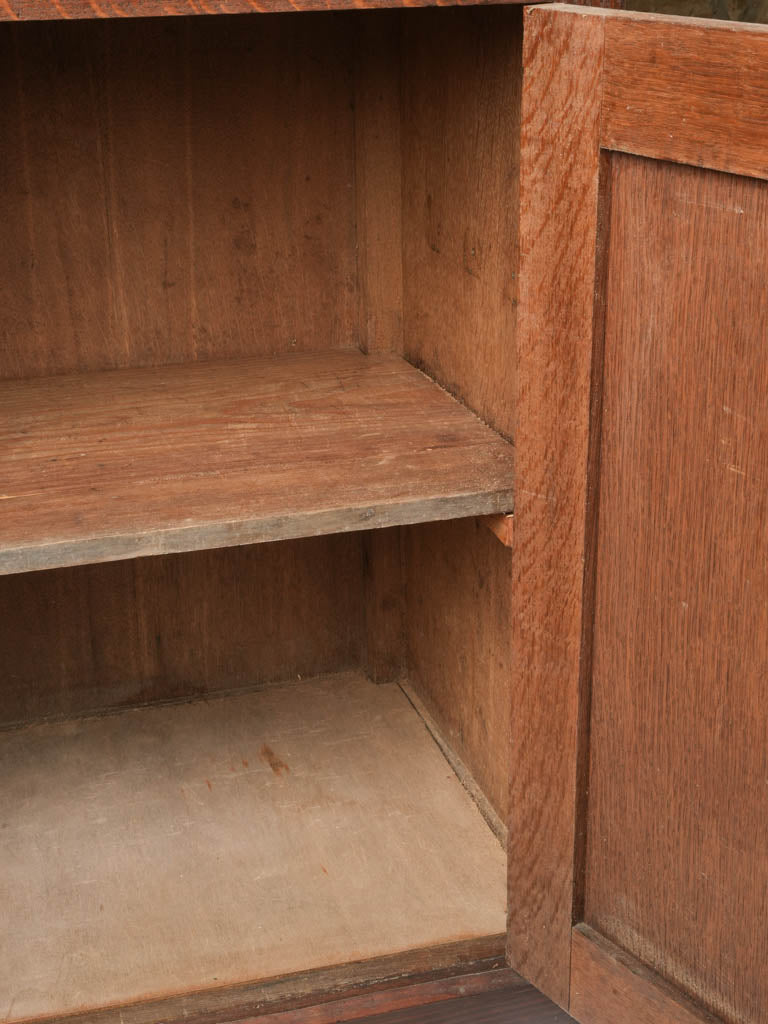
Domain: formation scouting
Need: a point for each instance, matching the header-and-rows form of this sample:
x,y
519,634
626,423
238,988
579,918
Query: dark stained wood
x,y
420,998
121,634
378,181
677,859
460,173
671,91
520,1006
460,169
118,464
558,233
12,10
378,196
610,987
459,654
175,191
384,604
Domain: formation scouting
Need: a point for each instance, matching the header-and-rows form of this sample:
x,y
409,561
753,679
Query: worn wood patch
x,y
173,852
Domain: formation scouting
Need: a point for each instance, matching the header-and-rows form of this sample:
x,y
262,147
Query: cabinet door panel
x,y
644,404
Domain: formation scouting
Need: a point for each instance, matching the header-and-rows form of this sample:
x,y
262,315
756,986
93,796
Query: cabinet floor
x,y
192,847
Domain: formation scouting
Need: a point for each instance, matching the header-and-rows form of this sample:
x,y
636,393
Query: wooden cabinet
x,y
295,313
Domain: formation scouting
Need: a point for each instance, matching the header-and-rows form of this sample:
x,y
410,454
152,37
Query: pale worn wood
x,y
560,162
671,91
677,859
172,852
494,822
117,464
610,987
173,191
13,10
460,170
378,181
119,634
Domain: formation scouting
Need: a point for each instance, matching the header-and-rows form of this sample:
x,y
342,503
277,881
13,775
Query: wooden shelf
x,y
125,463
47,10
170,853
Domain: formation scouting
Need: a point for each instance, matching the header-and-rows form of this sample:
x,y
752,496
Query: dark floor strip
x,y
510,1006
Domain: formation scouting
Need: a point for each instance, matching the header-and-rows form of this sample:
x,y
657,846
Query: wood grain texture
x,y
460,174
378,181
148,630
124,463
502,526
492,819
558,235
677,869
610,987
672,92
175,191
384,604
418,998
521,1006
308,991
35,10
459,655
111,823
460,169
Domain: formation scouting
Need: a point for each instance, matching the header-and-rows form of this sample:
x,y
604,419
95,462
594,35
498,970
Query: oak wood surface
x,y
503,527
34,10
175,190
378,180
362,982
687,90
169,854
521,1006
120,634
422,998
117,464
384,604
460,173
677,860
459,653
560,163
608,986
460,163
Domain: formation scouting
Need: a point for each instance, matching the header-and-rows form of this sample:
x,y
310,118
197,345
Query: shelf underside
x,y
125,463
188,848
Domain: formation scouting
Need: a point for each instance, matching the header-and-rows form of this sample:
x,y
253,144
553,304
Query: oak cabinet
x,y
382,527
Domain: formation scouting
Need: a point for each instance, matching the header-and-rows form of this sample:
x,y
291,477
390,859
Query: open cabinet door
x,y
639,828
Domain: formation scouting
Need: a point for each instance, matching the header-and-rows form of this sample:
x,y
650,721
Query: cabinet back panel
x,y
175,190
677,856
126,633
460,166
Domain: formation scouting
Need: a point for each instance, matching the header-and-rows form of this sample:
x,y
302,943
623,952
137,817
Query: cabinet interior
x,y
257,296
